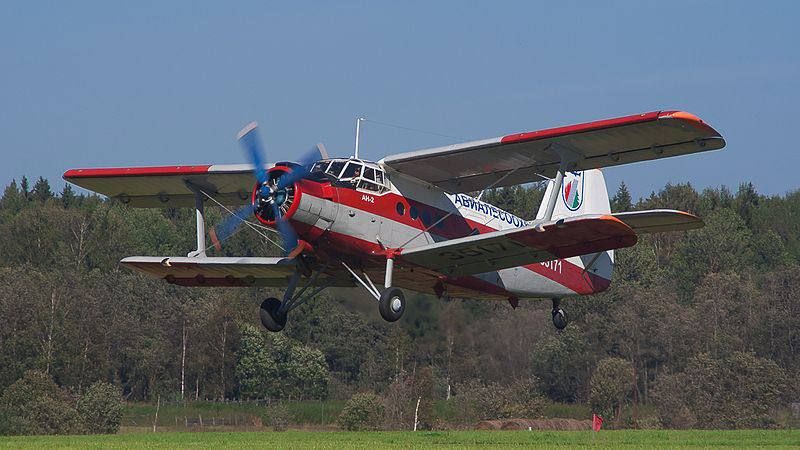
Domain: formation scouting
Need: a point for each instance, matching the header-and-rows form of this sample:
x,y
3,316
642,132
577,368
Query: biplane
x,y
415,221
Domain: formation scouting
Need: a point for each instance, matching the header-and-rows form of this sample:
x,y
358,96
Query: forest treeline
x,y
703,326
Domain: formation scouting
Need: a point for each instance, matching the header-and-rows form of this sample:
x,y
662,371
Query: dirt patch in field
x,y
535,424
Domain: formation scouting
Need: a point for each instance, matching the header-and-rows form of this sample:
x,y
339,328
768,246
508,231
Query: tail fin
x,y
583,193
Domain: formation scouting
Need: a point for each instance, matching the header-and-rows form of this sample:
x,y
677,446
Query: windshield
x,y
335,168
355,173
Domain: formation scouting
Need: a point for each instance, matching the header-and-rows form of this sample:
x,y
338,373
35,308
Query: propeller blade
x,y
227,227
288,235
306,161
248,138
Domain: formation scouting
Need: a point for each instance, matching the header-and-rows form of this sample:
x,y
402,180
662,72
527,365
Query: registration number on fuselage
x,y
367,198
554,265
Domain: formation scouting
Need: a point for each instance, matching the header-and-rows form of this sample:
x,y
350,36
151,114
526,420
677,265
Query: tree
x,y
560,362
101,408
364,411
67,196
478,400
724,244
621,201
610,386
41,190
25,188
34,404
12,200
277,367
736,391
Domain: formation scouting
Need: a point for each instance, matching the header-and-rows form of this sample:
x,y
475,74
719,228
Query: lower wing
x,y
225,271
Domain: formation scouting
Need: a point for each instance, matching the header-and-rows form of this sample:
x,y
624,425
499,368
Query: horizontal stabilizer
x,y
659,220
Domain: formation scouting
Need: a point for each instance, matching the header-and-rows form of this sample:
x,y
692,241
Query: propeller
x,y
271,192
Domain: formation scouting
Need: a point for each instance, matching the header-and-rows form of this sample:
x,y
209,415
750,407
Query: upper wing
x,y
659,220
223,271
473,166
168,187
563,238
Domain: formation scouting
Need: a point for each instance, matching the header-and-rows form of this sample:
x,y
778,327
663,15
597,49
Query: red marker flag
x,y
597,422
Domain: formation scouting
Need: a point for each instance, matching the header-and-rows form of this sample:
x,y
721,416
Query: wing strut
x,y
568,159
201,221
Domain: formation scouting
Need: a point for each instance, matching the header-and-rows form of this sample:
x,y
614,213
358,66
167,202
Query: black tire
x,y
560,319
392,304
271,318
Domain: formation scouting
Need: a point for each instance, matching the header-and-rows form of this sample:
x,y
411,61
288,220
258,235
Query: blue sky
x,y
92,84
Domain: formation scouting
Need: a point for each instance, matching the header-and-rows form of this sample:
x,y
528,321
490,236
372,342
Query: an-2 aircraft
x,y
409,219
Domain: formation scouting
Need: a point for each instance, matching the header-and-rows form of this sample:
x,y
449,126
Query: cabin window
x,y
401,208
413,212
369,185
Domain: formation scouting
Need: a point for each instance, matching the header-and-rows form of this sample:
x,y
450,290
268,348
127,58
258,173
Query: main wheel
x,y
271,317
559,318
392,304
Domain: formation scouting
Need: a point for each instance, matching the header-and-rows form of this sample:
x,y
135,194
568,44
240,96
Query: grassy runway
x,y
457,439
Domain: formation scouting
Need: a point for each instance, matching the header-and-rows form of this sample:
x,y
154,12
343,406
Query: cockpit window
x,y
320,166
355,173
353,170
335,168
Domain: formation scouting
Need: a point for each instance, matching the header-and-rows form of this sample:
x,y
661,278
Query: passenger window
x,y
369,173
369,185
426,217
401,209
379,177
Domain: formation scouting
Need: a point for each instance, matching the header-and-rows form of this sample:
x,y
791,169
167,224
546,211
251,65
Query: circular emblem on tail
x,y
572,190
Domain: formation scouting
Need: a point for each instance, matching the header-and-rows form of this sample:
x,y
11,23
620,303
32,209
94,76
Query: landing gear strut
x,y
559,316
274,312
391,302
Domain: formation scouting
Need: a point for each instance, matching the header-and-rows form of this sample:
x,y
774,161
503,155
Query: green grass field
x,y
457,439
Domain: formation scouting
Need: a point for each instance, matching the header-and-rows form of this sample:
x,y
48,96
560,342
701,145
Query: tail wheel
x,y
392,304
271,317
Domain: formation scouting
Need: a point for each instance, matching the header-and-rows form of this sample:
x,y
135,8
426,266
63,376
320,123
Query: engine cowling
x,y
288,198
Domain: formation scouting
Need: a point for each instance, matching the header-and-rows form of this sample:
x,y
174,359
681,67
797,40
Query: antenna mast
x,y
358,133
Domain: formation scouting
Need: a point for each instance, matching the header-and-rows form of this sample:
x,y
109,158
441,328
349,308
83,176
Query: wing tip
x,y
692,119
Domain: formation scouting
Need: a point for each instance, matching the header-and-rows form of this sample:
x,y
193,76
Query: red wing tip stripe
x,y
136,171
589,126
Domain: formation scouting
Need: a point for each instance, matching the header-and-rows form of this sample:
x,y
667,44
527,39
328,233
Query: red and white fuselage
x,y
350,219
